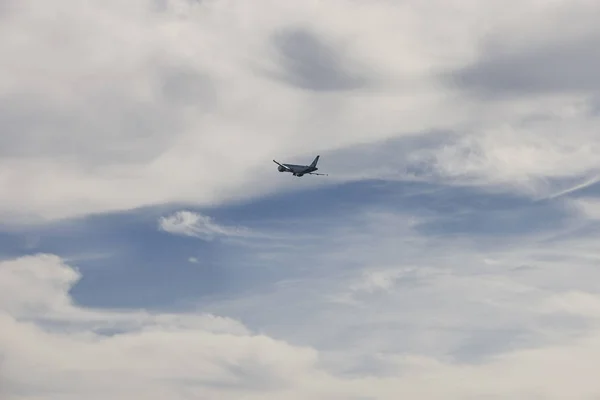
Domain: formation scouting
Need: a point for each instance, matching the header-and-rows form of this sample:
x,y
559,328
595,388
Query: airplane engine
x,y
280,169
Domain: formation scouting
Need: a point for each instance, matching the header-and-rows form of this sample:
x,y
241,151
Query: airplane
x,y
299,170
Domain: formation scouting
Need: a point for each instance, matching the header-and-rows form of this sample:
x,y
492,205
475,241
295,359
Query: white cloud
x,y
587,207
526,156
189,223
55,349
113,106
374,280
37,288
575,303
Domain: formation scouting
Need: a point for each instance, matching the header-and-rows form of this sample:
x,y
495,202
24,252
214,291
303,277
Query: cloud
x,y
141,117
380,287
115,106
44,282
147,104
587,207
516,63
533,157
377,280
423,331
371,307
313,65
188,223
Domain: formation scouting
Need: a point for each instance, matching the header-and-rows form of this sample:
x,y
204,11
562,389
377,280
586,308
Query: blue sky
x,y
310,252
127,261
149,248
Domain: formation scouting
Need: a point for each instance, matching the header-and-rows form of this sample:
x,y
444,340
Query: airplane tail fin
x,y
315,161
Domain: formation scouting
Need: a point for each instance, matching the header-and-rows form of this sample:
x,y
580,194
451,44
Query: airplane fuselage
x,y
297,170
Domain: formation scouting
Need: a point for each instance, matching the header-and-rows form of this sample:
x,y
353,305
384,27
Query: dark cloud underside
x,y
312,64
568,67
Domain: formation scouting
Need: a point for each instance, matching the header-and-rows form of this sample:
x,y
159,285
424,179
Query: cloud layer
x,y
478,320
113,106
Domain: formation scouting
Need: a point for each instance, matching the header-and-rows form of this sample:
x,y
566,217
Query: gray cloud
x,y
6,7
569,66
109,124
594,106
116,117
310,63
105,128
186,86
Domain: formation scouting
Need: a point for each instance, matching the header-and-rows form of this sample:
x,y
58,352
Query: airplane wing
x,y
314,173
282,166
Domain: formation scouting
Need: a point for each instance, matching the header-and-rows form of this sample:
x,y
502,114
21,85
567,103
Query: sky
x,y
149,248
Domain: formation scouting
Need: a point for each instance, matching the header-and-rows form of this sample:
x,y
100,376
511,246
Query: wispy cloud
x,y
189,223
374,280
453,299
587,207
